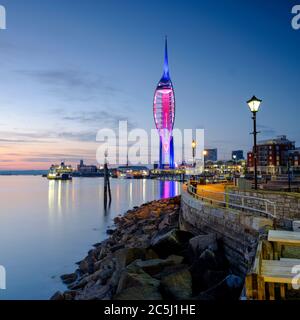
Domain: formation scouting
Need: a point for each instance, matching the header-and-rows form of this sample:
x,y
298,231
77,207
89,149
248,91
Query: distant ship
x,y
132,172
60,172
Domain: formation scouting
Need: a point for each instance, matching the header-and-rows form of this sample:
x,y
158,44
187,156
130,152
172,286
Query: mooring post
x,y
106,183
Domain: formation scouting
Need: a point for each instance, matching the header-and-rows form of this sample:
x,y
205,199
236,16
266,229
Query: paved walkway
x,y
212,191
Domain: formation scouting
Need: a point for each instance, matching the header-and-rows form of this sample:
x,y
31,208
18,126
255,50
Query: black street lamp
x,y
289,173
235,164
194,152
254,105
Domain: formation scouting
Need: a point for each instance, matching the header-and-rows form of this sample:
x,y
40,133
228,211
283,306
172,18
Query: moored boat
x,y
60,172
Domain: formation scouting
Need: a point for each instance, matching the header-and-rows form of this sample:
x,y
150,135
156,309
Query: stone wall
x,y
237,232
287,204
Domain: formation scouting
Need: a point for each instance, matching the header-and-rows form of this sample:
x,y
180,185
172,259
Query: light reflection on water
x,y
46,226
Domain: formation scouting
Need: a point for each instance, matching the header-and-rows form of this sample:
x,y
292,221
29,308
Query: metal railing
x,y
235,201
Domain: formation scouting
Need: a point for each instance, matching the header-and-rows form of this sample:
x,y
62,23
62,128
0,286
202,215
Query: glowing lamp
x,y
194,144
254,104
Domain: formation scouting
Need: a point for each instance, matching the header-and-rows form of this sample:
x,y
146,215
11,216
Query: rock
x,y
229,289
103,275
176,259
174,218
164,223
234,282
171,242
95,292
79,285
211,277
84,266
178,285
117,247
204,296
149,228
58,296
139,293
151,254
134,276
97,245
202,242
114,279
70,295
155,266
208,260
110,231
69,278
127,255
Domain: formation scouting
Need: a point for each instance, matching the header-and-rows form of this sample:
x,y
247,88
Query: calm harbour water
x,y
46,226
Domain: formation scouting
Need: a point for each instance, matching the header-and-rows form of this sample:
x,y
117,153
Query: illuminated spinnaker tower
x,y
164,116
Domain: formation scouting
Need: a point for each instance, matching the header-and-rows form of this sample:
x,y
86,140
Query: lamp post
x,y
204,155
289,173
235,163
254,105
194,152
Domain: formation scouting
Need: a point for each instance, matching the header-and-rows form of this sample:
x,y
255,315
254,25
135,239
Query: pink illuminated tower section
x,y
164,116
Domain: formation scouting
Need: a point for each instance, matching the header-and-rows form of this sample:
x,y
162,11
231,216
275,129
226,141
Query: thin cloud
x,y
266,130
100,119
72,84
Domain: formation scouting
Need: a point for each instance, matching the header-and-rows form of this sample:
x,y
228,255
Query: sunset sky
x,y
70,68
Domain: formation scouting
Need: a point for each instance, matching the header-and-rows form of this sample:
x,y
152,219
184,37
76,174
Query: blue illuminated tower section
x,y
164,116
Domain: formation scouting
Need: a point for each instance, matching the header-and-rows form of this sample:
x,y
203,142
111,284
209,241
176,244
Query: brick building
x,y
273,155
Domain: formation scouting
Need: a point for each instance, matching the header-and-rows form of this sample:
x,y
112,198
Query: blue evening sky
x,y
69,68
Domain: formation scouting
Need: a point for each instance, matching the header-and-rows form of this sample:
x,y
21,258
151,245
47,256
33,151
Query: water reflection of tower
x,y
168,189
164,116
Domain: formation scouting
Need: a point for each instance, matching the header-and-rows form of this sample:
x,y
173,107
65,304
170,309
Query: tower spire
x,y
166,75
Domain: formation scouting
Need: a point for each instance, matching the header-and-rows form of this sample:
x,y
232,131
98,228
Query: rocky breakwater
x,y
147,257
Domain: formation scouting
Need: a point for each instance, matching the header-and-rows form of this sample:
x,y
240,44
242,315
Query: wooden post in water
x,y
106,183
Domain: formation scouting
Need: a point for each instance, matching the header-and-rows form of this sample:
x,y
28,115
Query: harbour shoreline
x,y
148,257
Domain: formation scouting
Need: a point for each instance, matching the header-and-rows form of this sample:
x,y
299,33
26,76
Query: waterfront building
x,y
86,169
164,116
225,167
211,155
272,155
294,160
237,155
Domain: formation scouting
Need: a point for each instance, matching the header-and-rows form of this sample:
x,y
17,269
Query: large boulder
x,y
58,296
212,277
134,276
95,292
126,256
178,285
229,289
202,242
155,266
69,278
207,261
139,293
172,242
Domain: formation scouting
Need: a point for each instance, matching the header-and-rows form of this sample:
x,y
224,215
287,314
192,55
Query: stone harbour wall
x,y
238,232
287,204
